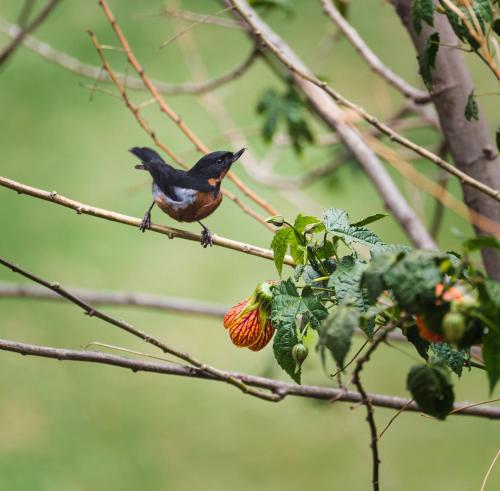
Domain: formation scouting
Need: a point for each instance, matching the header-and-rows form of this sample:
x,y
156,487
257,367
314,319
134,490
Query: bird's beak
x,y
237,155
140,167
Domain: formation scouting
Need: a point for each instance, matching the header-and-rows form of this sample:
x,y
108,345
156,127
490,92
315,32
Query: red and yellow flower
x,y
248,321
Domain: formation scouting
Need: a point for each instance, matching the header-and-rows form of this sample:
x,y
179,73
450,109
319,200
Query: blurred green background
x,y
70,426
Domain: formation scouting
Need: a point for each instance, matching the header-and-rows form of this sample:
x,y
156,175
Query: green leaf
x,y
373,276
496,26
422,11
284,341
471,108
427,59
346,280
302,221
336,332
492,288
452,358
413,279
481,242
482,9
279,246
491,356
337,223
431,388
370,219
421,345
287,305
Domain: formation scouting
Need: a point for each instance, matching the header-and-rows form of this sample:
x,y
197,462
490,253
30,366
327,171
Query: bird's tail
x,y
149,158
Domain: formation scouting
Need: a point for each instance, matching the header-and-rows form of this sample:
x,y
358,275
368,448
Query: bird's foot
x,y
146,222
206,238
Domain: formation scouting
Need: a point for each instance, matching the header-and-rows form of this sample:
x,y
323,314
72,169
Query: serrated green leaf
x,y
370,219
337,223
279,246
483,11
471,108
481,242
427,59
421,345
413,279
302,221
422,11
452,358
284,341
336,332
346,281
491,356
431,388
287,305
373,276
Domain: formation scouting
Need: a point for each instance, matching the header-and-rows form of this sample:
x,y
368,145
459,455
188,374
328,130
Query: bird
x,y
186,196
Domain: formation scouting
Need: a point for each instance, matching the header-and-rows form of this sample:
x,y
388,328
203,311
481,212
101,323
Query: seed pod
x,y
453,327
299,354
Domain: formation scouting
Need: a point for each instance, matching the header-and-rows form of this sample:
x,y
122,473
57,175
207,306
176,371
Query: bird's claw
x,y
146,223
206,238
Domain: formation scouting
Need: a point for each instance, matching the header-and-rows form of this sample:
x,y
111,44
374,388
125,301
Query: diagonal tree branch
x,y
17,40
144,336
282,389
82,208
261,31
469,142
370,57
333,116
76,66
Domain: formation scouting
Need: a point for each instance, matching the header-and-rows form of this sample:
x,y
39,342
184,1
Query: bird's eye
x,y
219,161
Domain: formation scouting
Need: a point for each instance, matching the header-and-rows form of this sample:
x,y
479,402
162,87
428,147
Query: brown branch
x,y
165,108
283,53
82,208
370,415
282,389
18,39
370,57
469,142
130,82
129,299
144,336
135,110
328,110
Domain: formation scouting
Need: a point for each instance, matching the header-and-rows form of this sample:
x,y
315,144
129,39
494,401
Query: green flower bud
x,y
453,327
276,220
299,354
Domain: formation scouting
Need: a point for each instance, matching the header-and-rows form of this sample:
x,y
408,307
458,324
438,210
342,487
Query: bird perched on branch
x,y
186,196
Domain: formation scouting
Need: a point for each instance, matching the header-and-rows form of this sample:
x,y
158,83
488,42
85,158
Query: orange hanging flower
x,y
248,321
426,333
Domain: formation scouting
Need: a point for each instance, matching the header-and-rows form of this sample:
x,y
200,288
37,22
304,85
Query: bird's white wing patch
x,y
185,197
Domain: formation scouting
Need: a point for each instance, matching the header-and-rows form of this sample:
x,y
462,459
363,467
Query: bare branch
x,y
144,336
165,108
18,39
282,389
207,19
370,57
326,107
82,208
130,82
261,31
129,299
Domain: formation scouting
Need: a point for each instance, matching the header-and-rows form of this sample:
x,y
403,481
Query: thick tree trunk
x,y
470,143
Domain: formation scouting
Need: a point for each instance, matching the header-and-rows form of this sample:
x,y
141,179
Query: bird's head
x,y
215,165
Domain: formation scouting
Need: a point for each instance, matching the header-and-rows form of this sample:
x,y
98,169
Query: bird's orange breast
x,y
203,205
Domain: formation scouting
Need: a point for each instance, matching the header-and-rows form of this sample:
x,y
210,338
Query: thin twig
x,y
370,57
488,472
393,418
256,25
18,39
370,417
82,208
278,387
207,19
74,65
144,336
165,108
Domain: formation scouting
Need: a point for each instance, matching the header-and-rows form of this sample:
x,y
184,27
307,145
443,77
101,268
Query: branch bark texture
x,y
469,142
